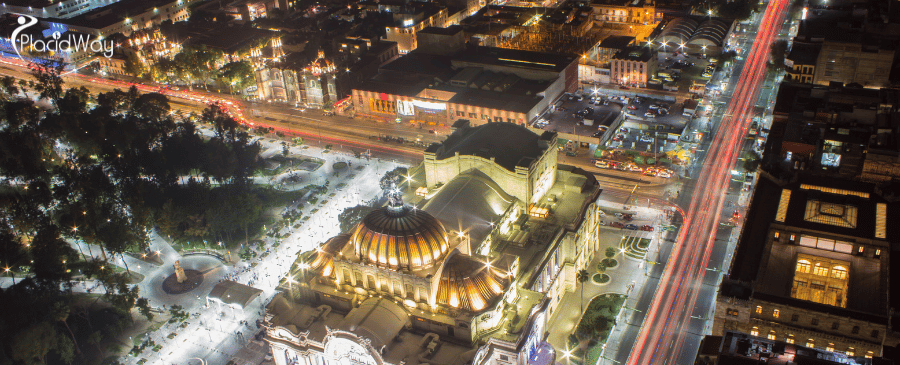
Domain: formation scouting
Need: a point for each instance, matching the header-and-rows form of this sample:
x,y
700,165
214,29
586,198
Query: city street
x,y
677,314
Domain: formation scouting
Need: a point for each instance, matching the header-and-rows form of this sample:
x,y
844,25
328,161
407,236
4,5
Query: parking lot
x,y
580,115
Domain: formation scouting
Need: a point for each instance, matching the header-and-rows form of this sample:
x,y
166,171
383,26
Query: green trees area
x,y
104,170
194,65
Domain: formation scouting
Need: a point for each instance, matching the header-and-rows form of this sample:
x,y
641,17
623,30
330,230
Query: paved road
x,y
684,297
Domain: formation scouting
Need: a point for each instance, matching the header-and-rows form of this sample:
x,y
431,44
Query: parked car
x,y
653,107
663,174
632,107
616,225
632,227
647,228
646,138
635,168
603,164
650,115
571,154
663,111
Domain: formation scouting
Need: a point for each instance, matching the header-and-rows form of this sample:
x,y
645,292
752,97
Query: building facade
x,y
634,65
818,257
436,284
852,62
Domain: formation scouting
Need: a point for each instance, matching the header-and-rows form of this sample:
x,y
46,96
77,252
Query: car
x,y
635,168
606,102
706,74
646,139
618,138
623,130
632,227
663,111
650,115
616,225
647,228
664,174
597,134
432,131
632,107
588,110
649,172
562,109
653,107
571,154
669,227
603,164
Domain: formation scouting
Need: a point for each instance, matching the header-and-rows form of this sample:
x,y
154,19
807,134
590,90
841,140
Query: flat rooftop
x,y
516,58
112,13
229,38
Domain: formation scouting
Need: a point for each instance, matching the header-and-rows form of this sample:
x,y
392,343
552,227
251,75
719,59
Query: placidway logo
x,y
79,42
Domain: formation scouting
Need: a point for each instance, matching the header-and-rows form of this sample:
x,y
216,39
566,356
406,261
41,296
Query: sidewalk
x,y
629,271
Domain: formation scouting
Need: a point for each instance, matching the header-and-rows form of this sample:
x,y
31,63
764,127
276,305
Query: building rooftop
x,y
508,144
617,42
229,39
836,210
735,348
515,58
634,53
111,14
377,319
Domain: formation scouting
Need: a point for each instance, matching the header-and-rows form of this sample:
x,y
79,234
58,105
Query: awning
x,y
230,292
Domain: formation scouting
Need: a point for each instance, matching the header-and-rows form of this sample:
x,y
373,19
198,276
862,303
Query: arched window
x,y
839,272
803,266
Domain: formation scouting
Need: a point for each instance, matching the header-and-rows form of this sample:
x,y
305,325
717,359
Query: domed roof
x,y
469,283
325,254
400,237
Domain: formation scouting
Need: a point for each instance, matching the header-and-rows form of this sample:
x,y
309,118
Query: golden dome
x,y
325,254
400,237
469,283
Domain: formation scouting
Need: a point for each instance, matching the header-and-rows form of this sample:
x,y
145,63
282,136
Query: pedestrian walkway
x,y
624,278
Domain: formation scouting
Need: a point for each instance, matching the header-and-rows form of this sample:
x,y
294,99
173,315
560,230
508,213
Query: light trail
x,y
663,332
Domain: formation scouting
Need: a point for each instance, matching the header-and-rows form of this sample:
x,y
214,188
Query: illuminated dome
x,y
400,237
325,254
321,65
470,284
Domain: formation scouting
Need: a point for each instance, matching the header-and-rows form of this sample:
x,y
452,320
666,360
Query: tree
x,y
61,311
134,66
777,54
582,276
239,74
9,85
751,162
48,79
351,216
610,252
392,176
32,345
153,106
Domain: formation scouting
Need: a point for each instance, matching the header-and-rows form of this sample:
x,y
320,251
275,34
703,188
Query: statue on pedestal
x,y
179,272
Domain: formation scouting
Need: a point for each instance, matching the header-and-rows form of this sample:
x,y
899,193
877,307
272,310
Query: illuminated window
x,y
830,347
793,237
851,351
776,313
839,272
789,339
821,280
771,335
810,343
877,253
759,309
754,331
776,235
869,354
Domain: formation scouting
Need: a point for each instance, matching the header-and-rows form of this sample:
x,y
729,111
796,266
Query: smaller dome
x,y
325,254
470,284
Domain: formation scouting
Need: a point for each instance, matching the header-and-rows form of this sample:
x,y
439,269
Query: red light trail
x,y
679,287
